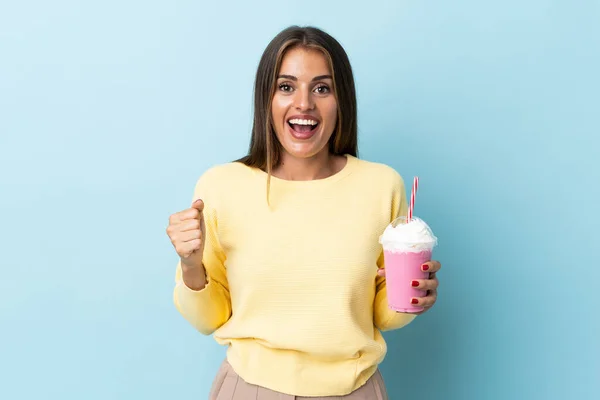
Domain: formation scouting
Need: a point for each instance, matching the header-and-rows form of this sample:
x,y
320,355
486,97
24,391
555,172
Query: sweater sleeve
x,y
209,308
386,319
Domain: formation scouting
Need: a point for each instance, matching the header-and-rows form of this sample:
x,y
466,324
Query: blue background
x,y
109,112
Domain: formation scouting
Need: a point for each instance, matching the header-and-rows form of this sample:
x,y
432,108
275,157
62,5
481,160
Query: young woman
x,y
279,252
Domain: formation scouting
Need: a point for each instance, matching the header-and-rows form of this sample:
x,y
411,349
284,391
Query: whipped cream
x,y
414,236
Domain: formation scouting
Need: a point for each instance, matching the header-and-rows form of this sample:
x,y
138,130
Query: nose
x,y
304,100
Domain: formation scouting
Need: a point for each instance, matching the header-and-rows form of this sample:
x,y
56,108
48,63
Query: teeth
x,y
303,122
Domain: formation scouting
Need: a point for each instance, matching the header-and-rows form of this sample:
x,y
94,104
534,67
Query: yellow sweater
x,y
292,288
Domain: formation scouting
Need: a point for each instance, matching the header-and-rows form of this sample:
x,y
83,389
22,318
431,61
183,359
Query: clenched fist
x,y
187,233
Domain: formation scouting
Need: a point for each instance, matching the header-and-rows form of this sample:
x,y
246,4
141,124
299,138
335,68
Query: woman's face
x,y
304,107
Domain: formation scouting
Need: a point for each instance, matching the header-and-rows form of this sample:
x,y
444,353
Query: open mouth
x,y
303,126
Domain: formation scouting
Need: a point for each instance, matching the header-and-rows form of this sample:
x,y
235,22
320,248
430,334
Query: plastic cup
x,y
403,256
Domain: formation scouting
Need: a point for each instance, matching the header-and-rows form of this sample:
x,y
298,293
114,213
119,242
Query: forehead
x,y
304,63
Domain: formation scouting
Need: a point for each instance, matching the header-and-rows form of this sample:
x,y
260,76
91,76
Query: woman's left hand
x,y
430,285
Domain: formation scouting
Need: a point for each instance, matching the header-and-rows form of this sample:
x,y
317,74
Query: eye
x,y
284,87
322,89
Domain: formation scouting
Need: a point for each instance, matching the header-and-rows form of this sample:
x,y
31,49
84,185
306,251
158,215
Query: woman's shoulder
x,y
227,169
224,174
379,172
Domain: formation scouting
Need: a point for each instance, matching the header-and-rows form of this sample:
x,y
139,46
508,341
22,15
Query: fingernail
x,y
414,301
415,283
425,267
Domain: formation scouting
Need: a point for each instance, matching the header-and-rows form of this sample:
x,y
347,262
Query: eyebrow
x,y
316,78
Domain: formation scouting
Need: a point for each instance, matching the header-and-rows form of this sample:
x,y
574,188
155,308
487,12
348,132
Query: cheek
x,y
275,110
279,107
331,112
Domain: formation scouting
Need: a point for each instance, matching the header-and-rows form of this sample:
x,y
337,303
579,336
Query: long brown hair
x,y
265,149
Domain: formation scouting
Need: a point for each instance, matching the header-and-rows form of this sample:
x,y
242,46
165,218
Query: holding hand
x,y
430,285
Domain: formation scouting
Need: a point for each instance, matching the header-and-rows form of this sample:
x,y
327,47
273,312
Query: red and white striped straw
x,y
413,194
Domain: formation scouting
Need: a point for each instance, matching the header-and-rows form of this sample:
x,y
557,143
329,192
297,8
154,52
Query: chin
x,y
303,150
302,154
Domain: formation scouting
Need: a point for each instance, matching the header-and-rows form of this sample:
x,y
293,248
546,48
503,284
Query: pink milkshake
x,y
406,247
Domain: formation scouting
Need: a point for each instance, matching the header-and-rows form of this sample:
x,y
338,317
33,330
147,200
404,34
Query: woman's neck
x,y
320,166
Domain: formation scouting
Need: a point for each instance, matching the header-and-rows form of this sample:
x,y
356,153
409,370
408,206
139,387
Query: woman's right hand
x,y
187,233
